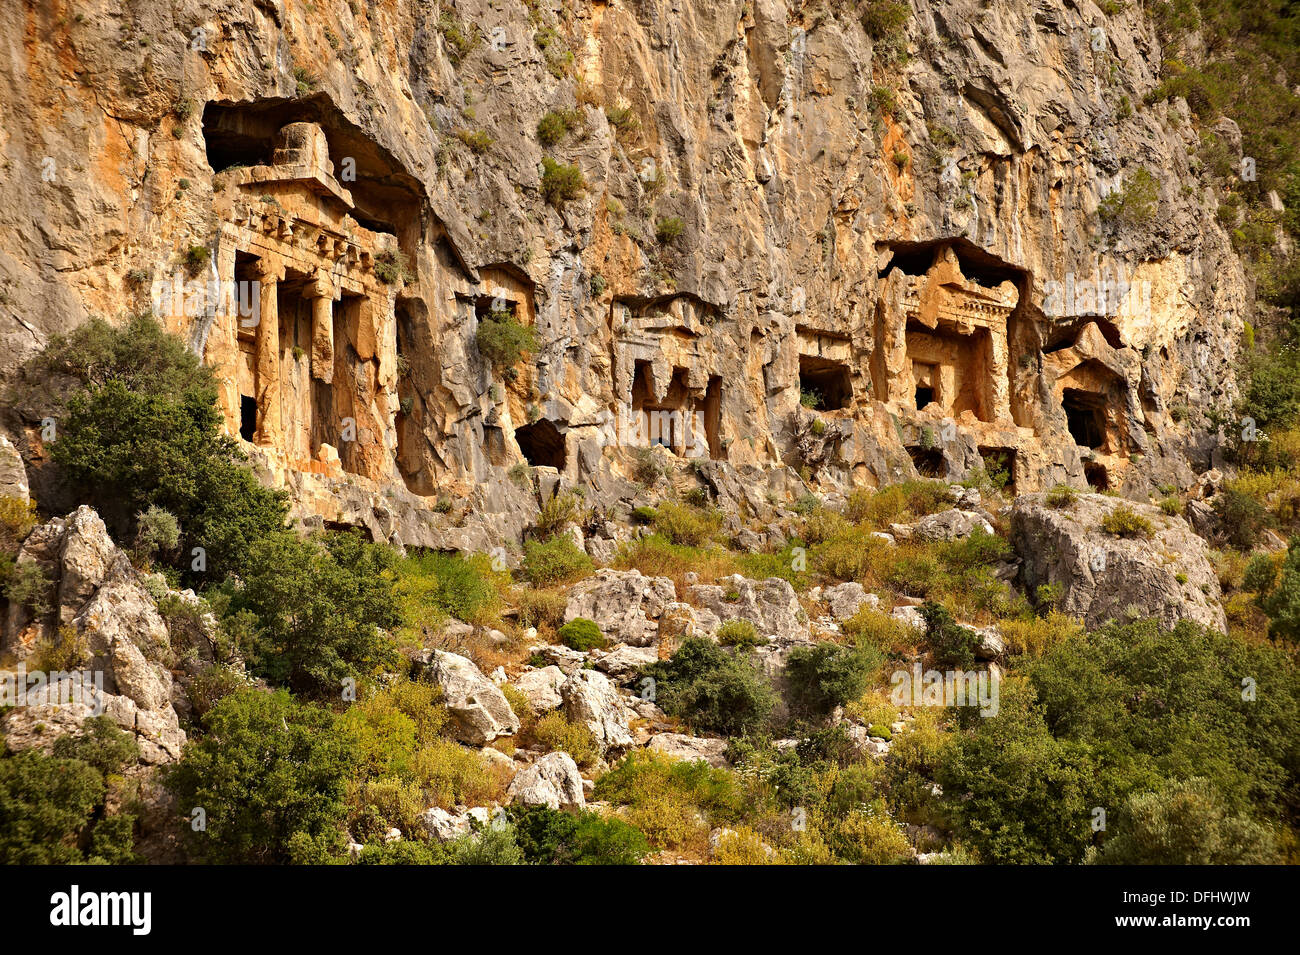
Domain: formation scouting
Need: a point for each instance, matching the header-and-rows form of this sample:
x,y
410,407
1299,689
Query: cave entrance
x,y
829,381
247,417
1097,476
1085,415
929,462
541,444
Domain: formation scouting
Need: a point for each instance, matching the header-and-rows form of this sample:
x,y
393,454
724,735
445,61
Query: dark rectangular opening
x,y
1085,416
824,385
247,417
928,462
1097,477
924,396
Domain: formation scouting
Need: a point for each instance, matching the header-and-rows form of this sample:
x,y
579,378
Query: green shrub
x,y
55,810
713,689
1184,823
431,584
643,515
952,643
269,775
562,508
478,141
1123,521
1241,517
561,183
503,341
157,531
556,124
738,633
827,675
669,229
1260,574
141,428
1172,505
318,610
1133,205
392,267
686,525
548,837
1061,495
582,634
555,561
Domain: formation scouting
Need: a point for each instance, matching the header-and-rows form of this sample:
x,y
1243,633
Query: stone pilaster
x,y
321,292
270,431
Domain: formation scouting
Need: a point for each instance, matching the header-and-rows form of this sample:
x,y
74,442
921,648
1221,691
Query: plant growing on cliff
x,y
459,39
556,124
1133,205
503,341
1123,521
392,266
560,182
713,689
886,23
669,229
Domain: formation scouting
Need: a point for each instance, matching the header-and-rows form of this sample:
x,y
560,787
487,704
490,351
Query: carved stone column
x,y
321,292
269,428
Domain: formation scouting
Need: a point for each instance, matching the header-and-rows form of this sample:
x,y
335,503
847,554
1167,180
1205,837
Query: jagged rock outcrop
x,y
770,605
902,241
625,604
106,631
690,748
592,700
1102,576
541,687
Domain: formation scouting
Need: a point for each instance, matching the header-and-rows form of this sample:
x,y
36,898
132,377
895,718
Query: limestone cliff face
x,y
329,199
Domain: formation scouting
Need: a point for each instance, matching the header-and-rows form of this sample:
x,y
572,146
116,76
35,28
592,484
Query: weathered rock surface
x,y
542,687
552,781
690,748
1103,577
625,604
477,706
770,605
593,701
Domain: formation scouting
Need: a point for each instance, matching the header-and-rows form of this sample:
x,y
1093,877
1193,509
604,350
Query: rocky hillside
x,y
840,431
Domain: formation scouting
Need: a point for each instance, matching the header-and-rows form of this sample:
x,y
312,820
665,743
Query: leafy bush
x,y
556,124
142,429
826,675
952,643
560,509
561,183
713,689
548,837
1061,495
686,525
503,341
1241,517
1183,823
431,584
582,634
672,801
1119,711
554,732
269,775
157,531
1134,204
1123,521
555,561
55,809
738,633
318,610
669,229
